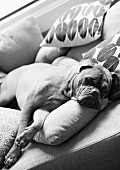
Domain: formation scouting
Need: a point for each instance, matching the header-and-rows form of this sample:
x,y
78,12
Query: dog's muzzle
x,y
89,96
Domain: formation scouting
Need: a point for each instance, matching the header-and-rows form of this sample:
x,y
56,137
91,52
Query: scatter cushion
x,y
49,54
9,119
19,45
64,61
111,23
77,52
79,25
64,122
107,53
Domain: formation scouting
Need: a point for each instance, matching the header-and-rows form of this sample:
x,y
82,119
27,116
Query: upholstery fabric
x,y
79,25
111,23
96,146
49,54
64,122
9,119
77,52
19,45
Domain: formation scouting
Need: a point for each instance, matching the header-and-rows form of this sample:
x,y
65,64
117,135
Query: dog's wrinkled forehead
x,y
91,65
90,73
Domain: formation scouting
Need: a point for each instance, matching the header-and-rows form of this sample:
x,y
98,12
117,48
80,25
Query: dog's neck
x,y
72,74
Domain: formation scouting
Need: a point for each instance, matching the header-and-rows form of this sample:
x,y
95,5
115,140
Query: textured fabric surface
x,y
49,54
64,122
8,127
97,147
19,45
111,23
64,61
77,52
79,25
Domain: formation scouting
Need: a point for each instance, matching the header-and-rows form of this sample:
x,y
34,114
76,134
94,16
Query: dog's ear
x,y
115,87
68,91
85,64
115,78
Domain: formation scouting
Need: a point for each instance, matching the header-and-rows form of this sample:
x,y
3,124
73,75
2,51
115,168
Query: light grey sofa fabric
x,y
96,147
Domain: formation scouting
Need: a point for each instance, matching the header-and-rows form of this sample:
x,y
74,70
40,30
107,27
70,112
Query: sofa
x,y
95,145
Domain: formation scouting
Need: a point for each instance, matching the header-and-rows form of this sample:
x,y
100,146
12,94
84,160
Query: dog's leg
x,y
8,89
15,151
25,135
38,120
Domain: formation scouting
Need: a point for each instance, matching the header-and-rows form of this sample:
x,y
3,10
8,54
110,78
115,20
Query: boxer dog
x,y
40,88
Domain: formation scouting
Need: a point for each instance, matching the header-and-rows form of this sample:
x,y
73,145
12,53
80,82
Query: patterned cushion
x,y
107,53
79,25
8,127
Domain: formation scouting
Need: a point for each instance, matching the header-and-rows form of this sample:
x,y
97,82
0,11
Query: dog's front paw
x,y
26,137
12,157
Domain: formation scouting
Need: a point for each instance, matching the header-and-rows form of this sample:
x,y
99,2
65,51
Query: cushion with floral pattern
x,y
107,53
79,25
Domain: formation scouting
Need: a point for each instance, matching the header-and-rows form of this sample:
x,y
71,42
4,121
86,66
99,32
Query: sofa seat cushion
x,y
97,147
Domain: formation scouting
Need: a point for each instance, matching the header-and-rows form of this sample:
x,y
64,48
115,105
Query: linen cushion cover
x,y
64,122
79,25
19,45
111,22
77,52
49,54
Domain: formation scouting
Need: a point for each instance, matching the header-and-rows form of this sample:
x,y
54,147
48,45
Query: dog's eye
x,y
89,81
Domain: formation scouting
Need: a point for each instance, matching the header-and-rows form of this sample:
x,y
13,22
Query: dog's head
x,y
91,84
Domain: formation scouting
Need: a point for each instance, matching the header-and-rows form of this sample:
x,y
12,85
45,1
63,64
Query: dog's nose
x,y
95,93
96,97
